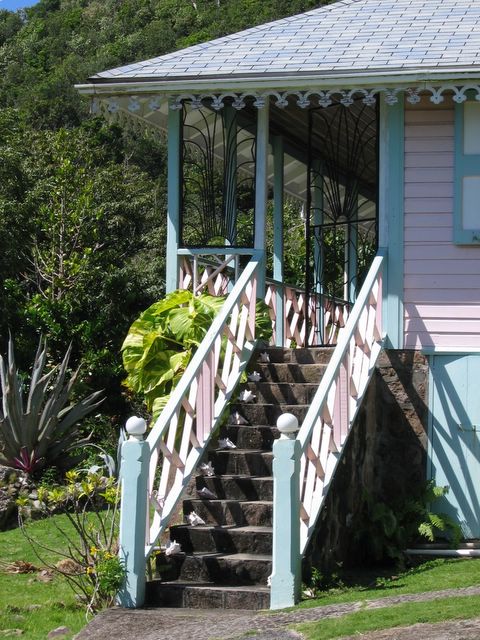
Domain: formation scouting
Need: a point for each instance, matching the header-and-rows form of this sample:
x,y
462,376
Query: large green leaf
x,y
161,341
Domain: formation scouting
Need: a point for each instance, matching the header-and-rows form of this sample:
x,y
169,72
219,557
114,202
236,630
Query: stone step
x,y
290,372
227,539
220,568
250,437
312,355
282,392
231,512
241,462
237,487
206,596
267,414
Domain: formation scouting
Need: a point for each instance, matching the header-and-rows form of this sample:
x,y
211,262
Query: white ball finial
x,y
136,427
287,424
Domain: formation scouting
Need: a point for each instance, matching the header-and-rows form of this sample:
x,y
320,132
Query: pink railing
x,y
215,279
182,431
204,277
297,317
338,398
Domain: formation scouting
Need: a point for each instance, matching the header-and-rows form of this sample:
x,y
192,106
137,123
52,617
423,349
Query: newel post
x,y
133,513
286,576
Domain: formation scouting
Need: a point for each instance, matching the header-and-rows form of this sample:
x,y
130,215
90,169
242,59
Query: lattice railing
x,y
216,276
305,327
184,427
208,277
338,398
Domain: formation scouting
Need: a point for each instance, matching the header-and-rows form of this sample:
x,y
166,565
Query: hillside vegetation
x,y
82,203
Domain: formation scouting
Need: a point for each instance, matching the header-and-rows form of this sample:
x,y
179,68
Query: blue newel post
x,y
133,513
286,576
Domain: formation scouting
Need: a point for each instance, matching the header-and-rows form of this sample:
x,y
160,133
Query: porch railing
x,y
296,322
313,455
182,432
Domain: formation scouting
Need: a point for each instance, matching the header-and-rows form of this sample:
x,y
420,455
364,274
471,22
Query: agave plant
x,y
43,431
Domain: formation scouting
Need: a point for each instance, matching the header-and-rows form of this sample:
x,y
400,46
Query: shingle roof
x,y
347,37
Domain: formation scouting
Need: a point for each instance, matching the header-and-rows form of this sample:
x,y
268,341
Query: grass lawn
x,y
399,615
37,607
435,575
26,602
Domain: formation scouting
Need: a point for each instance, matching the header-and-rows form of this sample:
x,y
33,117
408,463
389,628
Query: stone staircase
x,y
226,562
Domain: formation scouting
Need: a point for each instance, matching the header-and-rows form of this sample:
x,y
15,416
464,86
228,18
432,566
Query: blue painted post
x,y
261,192
286,576
352,260
133,513
391,216
317,201
174,176
278,180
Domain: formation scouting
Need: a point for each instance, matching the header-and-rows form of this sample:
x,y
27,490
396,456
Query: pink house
x,y
366,115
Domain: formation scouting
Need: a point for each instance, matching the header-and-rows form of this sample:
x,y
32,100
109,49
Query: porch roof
x,y
347,39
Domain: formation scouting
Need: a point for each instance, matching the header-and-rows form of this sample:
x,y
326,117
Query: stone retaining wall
x,y
385,456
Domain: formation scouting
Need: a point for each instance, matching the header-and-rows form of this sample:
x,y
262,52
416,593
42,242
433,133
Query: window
x,y
466,227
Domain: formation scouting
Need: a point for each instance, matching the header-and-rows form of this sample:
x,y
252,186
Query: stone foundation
x,y
385,456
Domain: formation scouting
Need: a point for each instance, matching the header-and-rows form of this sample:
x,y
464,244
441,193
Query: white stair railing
x,y
322,435
182,432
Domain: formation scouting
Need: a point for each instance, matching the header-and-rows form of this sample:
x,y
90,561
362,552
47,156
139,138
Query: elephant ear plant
x,y
44,430
162,341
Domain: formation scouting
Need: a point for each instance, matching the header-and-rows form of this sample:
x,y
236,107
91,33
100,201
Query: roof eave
x,y
277,82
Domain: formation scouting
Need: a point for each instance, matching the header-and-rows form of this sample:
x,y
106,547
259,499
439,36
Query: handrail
x,y
314,454
183,429
338,398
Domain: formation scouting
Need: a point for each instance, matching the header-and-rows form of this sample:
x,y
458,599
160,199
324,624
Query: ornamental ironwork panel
x,y
342,206
218,169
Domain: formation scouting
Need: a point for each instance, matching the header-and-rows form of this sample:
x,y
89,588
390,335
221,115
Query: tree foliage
x,y
82,204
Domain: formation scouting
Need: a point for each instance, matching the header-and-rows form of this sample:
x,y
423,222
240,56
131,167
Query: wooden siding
x,y
442,280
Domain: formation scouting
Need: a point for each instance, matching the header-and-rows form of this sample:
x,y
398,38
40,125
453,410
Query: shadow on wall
x,y
385,456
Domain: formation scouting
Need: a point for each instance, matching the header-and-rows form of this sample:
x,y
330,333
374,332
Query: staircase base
x,y
204,595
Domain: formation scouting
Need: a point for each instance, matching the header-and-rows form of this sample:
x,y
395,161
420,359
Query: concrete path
x,y
217,624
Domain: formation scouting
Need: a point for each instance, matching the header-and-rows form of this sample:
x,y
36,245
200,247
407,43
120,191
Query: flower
x,y
195,519
226,443
237,418
206,494
207,469
247,396
172,548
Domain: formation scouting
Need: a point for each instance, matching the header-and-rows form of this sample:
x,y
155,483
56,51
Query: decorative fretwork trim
x,y
304,99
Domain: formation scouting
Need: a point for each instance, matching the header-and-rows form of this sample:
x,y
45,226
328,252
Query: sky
x,y
13,5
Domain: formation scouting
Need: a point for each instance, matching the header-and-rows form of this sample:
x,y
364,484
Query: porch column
x,y
317,202
391,215
230,183
278,184
351,258
261,192
174,177
230,136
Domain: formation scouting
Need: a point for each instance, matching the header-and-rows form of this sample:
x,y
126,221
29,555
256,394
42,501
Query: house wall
x,y
441,280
